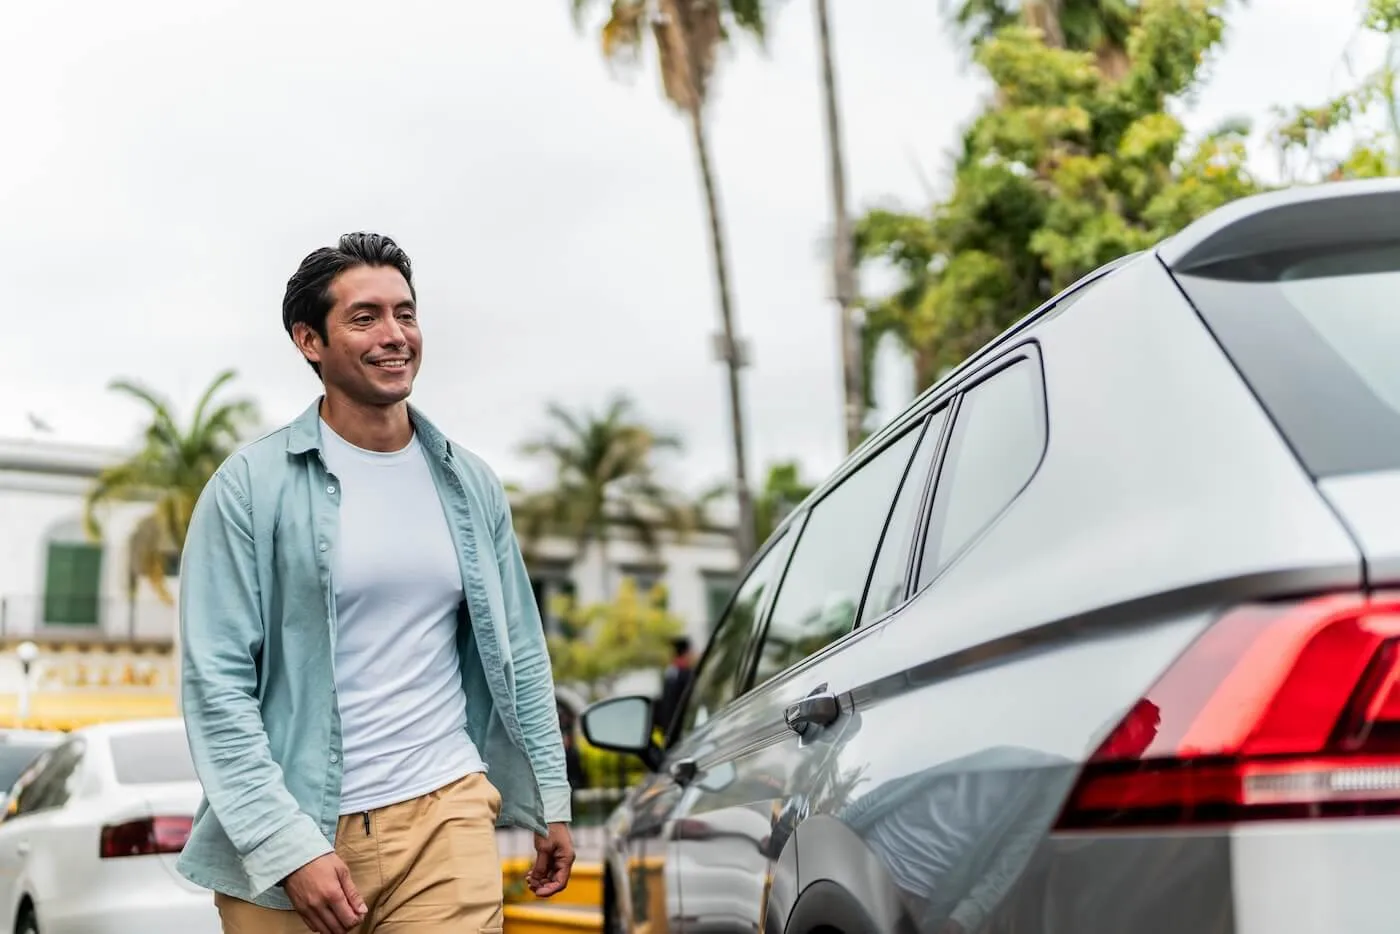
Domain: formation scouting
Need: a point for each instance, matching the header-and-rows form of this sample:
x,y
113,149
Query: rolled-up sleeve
x,y
221,630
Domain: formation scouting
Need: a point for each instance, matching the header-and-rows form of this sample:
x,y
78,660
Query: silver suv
x,y
1101,635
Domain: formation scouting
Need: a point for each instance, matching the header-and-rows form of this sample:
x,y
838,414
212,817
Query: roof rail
x,y
1298,218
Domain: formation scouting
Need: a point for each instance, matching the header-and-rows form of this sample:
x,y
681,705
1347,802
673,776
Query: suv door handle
x,y
820,708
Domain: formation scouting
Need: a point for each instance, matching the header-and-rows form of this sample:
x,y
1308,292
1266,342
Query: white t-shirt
x,y
397,589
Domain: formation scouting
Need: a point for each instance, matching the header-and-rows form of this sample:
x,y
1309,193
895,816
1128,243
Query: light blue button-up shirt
x,y
257,624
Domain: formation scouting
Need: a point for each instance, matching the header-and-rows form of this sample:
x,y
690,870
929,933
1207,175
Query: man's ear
x,y
307,341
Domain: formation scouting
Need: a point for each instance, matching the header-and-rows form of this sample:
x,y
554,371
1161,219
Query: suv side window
x,y
720,677
886,590
825,580
996,444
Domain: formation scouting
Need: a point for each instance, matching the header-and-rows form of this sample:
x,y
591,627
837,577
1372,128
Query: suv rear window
x,y
1316,335
152,758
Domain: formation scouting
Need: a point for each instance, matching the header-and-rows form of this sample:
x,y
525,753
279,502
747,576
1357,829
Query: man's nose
x,y
391,333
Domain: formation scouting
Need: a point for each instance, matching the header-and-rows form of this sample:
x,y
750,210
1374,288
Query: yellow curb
x,y
585,884
528,919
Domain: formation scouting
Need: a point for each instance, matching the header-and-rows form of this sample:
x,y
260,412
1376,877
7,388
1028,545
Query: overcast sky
x,y
165,166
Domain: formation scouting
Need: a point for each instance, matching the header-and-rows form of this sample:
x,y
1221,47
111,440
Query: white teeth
x,y
392,364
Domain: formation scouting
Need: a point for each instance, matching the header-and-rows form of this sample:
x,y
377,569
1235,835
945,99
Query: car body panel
x,y
1166,496
1369,504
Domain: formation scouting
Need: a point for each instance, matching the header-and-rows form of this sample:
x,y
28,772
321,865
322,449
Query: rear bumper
x,y
162,910
1284,878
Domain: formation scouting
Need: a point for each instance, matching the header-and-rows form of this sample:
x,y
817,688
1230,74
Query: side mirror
x,y
623,724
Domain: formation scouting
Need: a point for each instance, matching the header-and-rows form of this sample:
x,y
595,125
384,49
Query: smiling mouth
x,y
390,364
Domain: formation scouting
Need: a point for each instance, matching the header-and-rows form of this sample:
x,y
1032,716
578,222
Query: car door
x,y
652,900
37,797
743,769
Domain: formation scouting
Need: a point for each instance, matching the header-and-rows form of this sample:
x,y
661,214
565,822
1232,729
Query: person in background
x,y
674,682
361,646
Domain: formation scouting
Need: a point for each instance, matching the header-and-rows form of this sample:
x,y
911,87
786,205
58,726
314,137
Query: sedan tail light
x,y
1275,712
145,837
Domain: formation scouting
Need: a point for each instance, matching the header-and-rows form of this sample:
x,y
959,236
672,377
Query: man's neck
x,y
372,427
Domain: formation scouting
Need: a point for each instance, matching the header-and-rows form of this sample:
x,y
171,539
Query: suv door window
x,y
825,580
721,673
886,590
995,447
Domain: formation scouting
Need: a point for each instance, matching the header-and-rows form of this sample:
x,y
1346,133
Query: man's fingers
x,y
352,894
345,916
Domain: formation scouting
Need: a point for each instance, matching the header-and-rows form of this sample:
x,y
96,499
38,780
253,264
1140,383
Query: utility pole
x,y
844,279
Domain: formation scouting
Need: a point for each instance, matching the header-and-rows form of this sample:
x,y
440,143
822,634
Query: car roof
x,y
129,727
1299,218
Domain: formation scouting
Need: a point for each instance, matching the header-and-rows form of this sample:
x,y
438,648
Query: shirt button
x,y
324,546
330,489
334,758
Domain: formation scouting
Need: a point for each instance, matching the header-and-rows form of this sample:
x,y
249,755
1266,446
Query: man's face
x,y
373,346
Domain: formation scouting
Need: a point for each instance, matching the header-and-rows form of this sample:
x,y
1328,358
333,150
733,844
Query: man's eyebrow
x,y
366,305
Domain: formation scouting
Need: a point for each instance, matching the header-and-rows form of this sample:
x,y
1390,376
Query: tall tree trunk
x,y
842,268
730,352
1045,16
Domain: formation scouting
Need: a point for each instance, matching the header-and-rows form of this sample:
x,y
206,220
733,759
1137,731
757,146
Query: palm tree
x,y
687,35
603,476
171,470
842,260
1098,26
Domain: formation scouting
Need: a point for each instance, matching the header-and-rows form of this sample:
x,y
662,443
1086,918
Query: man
x,y
361,648
674,682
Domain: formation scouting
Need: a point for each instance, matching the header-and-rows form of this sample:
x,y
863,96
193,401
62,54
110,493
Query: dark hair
x,y
681,645
308,297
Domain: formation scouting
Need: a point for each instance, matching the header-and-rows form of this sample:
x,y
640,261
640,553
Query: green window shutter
x,y
73,579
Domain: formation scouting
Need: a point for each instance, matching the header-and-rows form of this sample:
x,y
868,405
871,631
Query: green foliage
x,y
604,473
1077,161
170,470
1355,134
600,642
605,769
783,490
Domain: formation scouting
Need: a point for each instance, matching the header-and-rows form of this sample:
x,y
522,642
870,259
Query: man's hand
x,y
554,860
325,897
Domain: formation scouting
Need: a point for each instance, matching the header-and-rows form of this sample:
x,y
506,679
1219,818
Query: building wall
x,y
42,488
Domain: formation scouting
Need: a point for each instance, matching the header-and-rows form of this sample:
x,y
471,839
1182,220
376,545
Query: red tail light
x,y
1276,712
145,837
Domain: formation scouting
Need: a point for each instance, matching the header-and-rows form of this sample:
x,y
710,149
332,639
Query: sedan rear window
x,y
1316,335
152,758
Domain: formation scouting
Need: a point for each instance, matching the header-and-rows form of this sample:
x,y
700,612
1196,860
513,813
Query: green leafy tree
x,y
604,476
170,470
1071,165
1355,134
687,36
783,491
600,642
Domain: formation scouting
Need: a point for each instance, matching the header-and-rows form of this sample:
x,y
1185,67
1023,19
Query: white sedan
x,y
91,832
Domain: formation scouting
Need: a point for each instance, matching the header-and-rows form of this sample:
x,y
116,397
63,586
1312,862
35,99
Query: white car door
x,y
34,803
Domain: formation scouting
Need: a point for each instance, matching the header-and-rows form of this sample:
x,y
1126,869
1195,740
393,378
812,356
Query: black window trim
x,y
949,409
916,423
1027,350
783,533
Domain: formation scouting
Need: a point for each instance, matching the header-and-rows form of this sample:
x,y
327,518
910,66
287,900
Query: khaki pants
x,y
428,865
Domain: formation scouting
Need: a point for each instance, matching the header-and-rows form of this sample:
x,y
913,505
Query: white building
x,y
61,589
